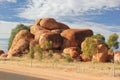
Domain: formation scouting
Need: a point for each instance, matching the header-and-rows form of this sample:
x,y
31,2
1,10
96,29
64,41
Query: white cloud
x,y
59,8
6,27
8,1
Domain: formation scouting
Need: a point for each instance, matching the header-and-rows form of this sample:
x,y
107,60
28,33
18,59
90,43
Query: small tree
x,y
31,54
39,51
68,58
100,37
50,54
90,47
112,41
48,44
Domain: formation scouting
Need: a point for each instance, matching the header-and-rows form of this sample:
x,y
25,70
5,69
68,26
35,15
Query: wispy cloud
x,y
60,8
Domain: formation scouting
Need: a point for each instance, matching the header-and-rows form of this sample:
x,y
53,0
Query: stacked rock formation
x,y
48,29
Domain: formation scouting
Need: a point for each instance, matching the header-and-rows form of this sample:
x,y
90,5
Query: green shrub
x,y
68,59
39,50
31,53
50,54
48,44
100,37
112,41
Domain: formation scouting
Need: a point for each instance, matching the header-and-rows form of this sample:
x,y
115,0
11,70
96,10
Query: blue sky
x,y
102,16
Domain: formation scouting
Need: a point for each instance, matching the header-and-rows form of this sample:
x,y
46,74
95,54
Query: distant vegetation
x,y
99,37
112,41
15,31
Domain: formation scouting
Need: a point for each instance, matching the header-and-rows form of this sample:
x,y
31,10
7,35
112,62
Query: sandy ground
x,y
53,74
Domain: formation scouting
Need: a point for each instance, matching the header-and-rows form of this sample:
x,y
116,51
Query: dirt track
x,y
53,74
13,76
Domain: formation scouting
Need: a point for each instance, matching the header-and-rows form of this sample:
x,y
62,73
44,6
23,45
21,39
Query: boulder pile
x,y
48,29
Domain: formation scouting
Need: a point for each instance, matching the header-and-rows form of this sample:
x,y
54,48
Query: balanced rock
x,y
55,38
63,26
49,23
74,37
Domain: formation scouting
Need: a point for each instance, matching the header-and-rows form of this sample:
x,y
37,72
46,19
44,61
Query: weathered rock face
x,y
55,38
49,23
1,52
102,53
34,29
23,34
62,26
74,52
20,43
74,37
39,33
20,47
117,56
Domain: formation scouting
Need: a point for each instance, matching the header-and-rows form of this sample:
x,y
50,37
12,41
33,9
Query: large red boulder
x,y
39,33
20,47
74,37
55,38
63,26
20,43
35,28
102,53
49,23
